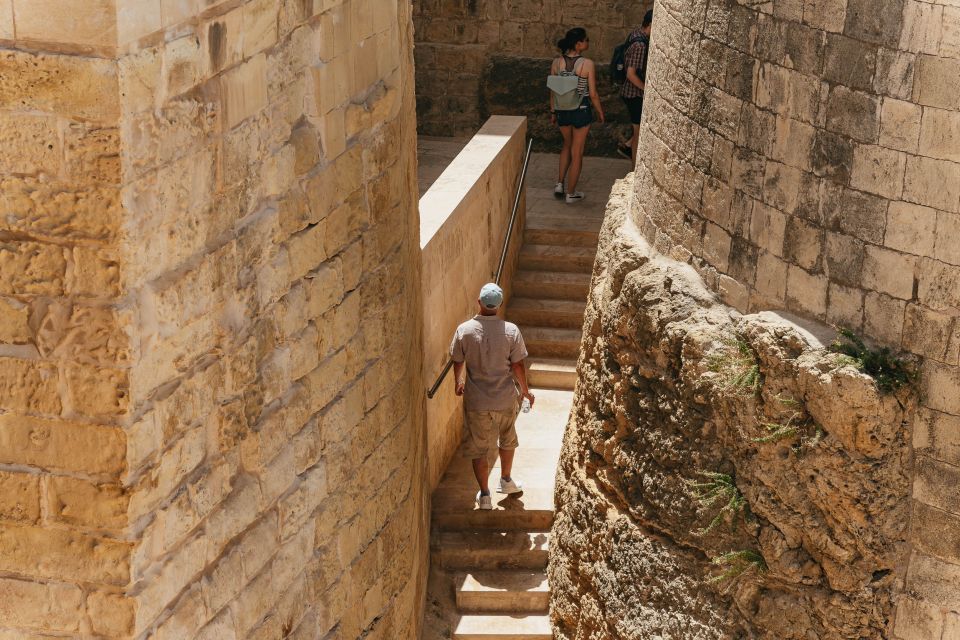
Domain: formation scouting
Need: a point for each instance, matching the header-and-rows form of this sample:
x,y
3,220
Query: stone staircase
x,y
488,580
550,292
494,562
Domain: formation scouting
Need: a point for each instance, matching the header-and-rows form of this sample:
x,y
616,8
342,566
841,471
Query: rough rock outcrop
x,y
680,399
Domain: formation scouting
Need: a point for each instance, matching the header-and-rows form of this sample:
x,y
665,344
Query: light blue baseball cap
x,y
491,296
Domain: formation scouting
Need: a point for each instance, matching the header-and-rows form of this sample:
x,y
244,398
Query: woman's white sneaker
x,y
558,190
576,196
484,502
510,486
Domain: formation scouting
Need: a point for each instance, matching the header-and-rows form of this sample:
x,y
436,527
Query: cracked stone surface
x,y
664,395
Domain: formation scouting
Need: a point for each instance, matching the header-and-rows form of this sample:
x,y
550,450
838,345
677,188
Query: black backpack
x,y
618,67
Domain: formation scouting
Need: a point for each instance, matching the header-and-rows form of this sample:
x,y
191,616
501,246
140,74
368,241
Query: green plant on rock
x,y
779,431
737,564
718,488
811,441
889,371
737,367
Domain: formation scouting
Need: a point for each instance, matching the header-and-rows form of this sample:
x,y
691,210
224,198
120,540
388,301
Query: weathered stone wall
x,y
806,158
209,283
475,58
803,156
66,351
663,401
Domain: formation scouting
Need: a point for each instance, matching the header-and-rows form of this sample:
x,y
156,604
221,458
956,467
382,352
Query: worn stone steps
x,y
569,231
527,512
553,285
564,314
533,521
550,342
493,561
552,373
502,592
491,550
564,257
503,627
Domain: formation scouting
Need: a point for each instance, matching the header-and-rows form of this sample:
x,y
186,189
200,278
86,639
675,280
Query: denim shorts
x,y
576,118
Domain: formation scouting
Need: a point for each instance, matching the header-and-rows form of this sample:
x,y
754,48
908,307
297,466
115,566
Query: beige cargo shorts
x,y
484,431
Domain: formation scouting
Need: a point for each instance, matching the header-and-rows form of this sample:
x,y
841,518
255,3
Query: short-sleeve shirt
x,y
634,58
488,346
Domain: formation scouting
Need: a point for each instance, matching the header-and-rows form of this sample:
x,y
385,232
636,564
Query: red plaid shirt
x,y
634,58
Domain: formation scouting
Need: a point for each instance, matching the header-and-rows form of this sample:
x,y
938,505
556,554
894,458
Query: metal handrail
x,y
432,391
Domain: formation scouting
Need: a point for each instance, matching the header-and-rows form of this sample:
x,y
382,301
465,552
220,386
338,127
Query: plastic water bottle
x,y
525,405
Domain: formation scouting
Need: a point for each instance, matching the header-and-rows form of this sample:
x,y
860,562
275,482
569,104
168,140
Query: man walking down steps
x,y
492,352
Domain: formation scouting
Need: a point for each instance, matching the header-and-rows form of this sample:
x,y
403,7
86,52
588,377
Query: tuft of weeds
x,y
787,401
809,442
718,488
737,367
737,564
810,433
780,431
889,371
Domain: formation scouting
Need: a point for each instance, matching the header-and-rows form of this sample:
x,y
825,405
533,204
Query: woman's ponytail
x,y
569,41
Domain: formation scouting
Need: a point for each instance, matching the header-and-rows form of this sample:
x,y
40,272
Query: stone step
x,y
552,373
503,627
566,314
554,285
568,231
496,520
550,257
530,510
550,342
503,592
490,550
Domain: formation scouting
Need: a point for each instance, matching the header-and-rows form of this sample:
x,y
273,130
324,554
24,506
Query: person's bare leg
x,y
576,157
633,143
506,463
481,469
567,133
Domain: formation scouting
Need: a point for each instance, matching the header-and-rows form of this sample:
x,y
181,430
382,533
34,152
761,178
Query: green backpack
x,y
563,86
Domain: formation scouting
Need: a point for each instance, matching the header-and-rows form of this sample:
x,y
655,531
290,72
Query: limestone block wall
x,y
480,57
210,399
66,352
463,221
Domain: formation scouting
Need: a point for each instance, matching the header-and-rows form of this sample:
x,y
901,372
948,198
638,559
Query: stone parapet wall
x,y
463,221
675,388
210,312
804,156
481,57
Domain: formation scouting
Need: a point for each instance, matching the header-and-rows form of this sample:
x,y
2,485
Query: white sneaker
x,y
510,486
558,190
576,196
484,502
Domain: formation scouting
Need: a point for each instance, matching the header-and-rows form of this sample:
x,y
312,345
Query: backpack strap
x,y
579,60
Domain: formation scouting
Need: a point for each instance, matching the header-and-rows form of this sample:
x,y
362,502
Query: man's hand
x,y
529,396
459,376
